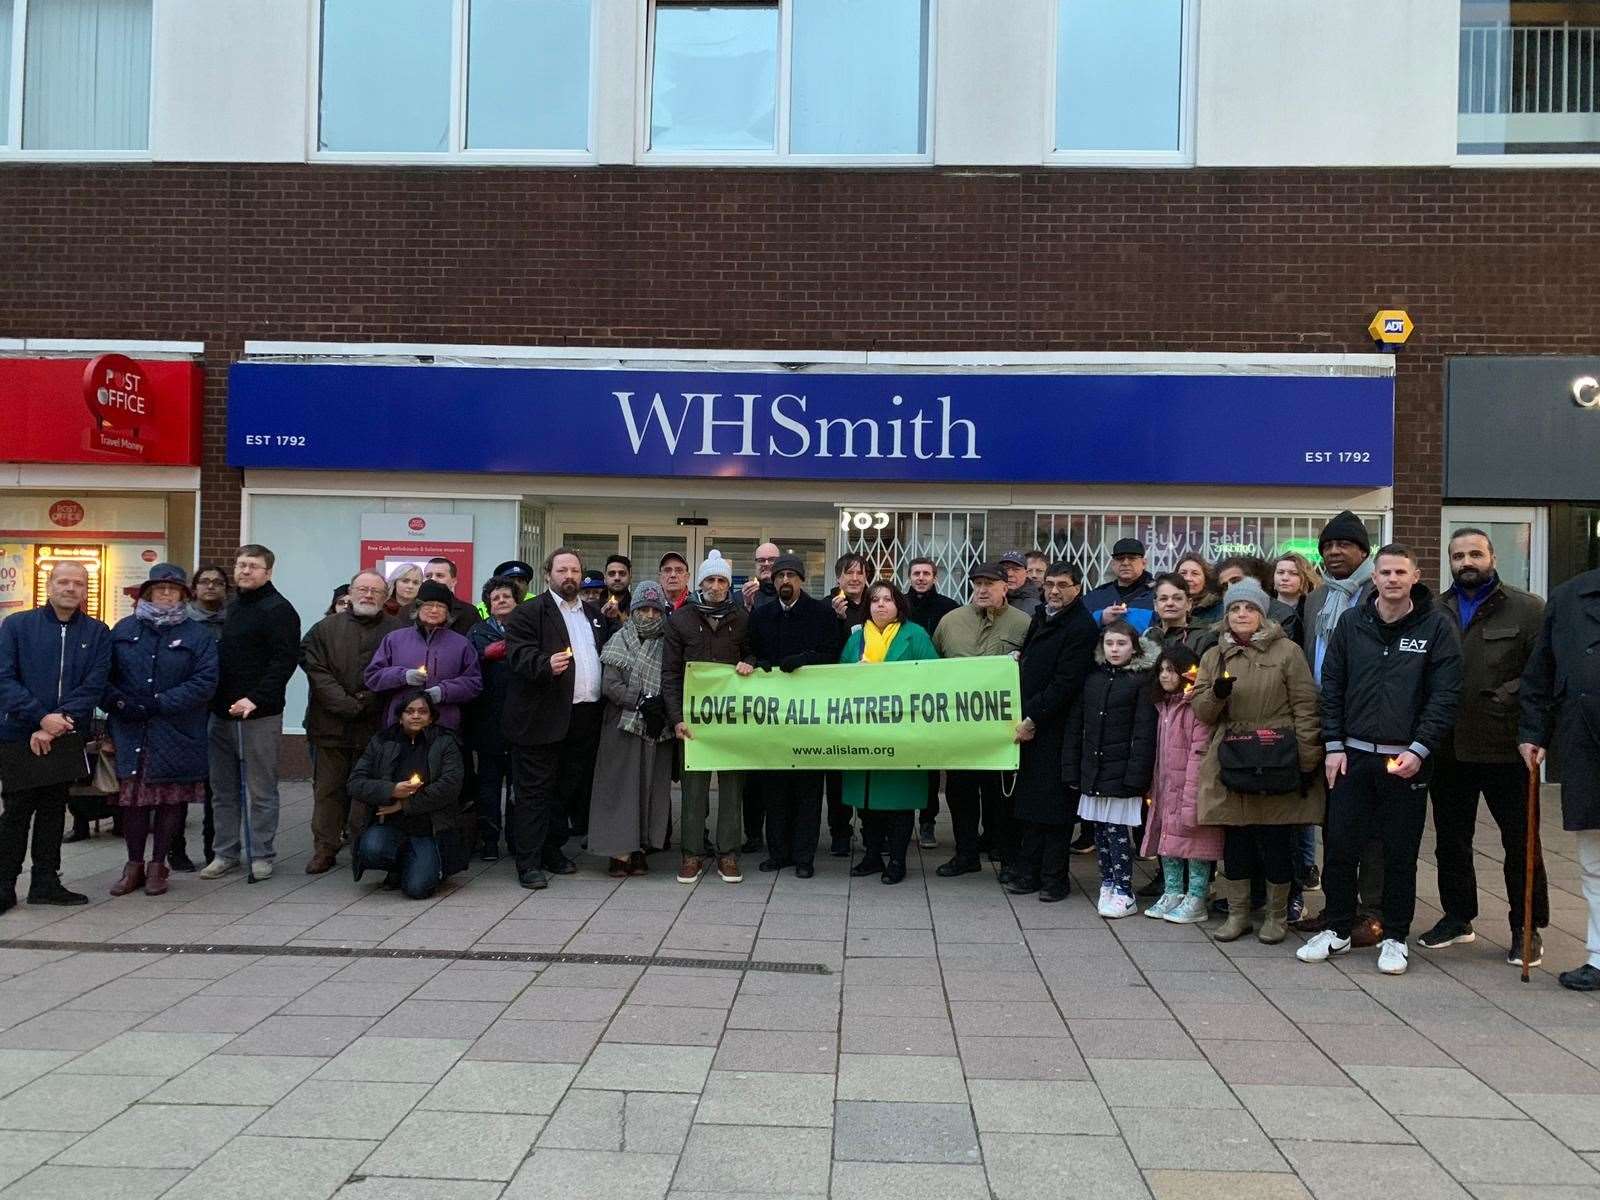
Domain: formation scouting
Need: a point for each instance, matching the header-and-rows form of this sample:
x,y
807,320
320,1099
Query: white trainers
x,y
260,869
1393,957
217,868
1168,902
1105,894
1117,905
1322,947
1191,910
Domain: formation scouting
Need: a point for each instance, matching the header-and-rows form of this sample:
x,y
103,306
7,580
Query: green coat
x,y
889,791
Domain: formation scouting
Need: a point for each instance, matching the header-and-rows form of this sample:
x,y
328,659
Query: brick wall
x,y
1487,261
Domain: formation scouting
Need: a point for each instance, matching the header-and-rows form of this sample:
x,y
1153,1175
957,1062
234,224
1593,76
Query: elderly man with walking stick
x,y
1561,708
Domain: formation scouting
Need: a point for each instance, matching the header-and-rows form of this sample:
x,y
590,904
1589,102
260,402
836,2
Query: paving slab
x,y
901,1077
454,1145
750,1158
587,1119
160,1135
623,1067
1481,1151
1039,1106
1026,1166
340,1109
876,1131
102,1183
767,1098
532,1089
592,1175
1432,1092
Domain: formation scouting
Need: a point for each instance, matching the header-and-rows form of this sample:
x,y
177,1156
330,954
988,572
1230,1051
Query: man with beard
x,y
619,586
796,630
342,713
552,715
1499,626
928,606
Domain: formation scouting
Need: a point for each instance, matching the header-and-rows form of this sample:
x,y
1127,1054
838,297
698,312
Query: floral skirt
x,y
136,793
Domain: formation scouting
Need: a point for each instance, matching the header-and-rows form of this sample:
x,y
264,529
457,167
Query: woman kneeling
x,y
405,801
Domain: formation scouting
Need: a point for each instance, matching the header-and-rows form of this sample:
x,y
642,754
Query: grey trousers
x,y
258,739
697,803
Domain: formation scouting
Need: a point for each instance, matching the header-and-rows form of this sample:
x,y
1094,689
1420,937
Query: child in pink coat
x,y
1171,830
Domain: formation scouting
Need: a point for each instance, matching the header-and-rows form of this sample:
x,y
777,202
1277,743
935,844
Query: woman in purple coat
x,y
427,654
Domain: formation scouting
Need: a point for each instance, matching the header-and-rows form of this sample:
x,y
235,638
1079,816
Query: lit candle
x,y
1392,766
415,779
423,669
567,651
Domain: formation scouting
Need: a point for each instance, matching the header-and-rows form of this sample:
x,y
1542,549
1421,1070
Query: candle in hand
x,y
568,652
423,669
1392,765
417,779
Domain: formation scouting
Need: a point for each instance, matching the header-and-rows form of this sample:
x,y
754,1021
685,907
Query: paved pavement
x,y
958,1044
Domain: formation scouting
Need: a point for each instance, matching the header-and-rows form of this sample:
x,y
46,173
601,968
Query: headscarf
x,y
636,653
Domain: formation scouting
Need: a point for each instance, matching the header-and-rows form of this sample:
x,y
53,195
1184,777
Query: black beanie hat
x,y
434,591
789,562
1346,527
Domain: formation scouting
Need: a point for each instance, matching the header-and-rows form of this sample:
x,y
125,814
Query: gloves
x,y
495,651
1308,779
435,693
1222,687
793,663
415,677
135,709
654,711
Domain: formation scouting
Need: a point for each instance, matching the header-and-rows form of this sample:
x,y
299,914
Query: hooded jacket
x,y
48,665
929,608
1393,684
258,651
1110,745
1172,827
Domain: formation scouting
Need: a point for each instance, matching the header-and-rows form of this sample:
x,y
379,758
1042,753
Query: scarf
x,y
876,642
636,654
1340,593
715,614
158,617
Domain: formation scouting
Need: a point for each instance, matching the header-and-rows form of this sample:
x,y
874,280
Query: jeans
x,y
1264,850
1455,788
1305,849
1042,852
696,788
330,801
494,806
793,801
46,807
415,859
1369,802
258,768
1589,877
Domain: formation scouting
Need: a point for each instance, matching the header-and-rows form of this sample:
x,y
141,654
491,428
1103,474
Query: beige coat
x,y
1272,688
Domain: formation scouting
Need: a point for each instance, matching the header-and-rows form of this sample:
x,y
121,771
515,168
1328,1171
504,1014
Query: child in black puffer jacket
x,y
1109,755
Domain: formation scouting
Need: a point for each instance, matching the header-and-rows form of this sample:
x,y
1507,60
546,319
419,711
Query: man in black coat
x,y
928,605
796,630
1056,659
1561,704
257,653
552,715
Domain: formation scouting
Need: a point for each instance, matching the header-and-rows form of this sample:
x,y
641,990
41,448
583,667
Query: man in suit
x,y
552,715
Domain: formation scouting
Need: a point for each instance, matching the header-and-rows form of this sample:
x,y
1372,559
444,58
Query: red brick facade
x,y
1486,261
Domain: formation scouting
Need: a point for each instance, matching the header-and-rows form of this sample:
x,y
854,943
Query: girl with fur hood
x,y
1109,754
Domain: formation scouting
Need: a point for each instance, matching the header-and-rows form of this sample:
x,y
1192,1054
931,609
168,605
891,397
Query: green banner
x,y
950,714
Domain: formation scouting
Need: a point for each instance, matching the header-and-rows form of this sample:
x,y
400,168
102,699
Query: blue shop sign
x,y
957,428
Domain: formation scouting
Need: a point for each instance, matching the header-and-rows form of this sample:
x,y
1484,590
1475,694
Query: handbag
x,y
1259,762
102,779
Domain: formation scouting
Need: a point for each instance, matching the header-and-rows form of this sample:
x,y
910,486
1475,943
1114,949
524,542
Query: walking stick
x,y
244,800
1531,851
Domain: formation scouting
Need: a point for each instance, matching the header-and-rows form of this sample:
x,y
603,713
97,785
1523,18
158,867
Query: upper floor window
x,y
443,77
1529,81
797,78
75,75
1122,80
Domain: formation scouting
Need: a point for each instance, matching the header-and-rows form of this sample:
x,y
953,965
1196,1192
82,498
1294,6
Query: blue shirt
x,y
1472,601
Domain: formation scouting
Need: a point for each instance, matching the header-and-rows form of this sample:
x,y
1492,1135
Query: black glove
x,y
1308,779
654,711
1222,687
136,709
793,663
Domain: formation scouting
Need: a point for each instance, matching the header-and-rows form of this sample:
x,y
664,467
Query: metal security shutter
x,y
890,540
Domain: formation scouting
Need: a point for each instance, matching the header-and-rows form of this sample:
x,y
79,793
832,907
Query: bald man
x,y
759,590
53,666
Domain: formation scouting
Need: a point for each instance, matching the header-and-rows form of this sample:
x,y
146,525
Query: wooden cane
x,y
1531,856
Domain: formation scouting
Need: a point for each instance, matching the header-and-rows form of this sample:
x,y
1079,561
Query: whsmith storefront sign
x,y
1232,429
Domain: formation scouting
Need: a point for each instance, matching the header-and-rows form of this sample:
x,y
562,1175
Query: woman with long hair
x,y
1205,596
1294,579
404,583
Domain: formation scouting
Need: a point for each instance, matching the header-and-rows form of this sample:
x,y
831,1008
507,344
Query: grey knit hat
x,y
650,594
1247,591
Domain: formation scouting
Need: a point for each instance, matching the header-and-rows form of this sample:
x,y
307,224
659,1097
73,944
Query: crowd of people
x,y
1210,720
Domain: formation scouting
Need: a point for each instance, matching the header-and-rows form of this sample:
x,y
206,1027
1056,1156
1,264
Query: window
x,y
1529,81
802,78
449,77
84,86
1122,79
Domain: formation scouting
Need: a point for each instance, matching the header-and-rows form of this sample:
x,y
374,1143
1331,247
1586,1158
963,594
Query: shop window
x,y
1122,79
800,78
85,80
453,77
1085,538
1529,79
890,540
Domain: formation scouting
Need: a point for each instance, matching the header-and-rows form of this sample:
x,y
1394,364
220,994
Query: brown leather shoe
x,y
617,868
728,868
1367,931
132,879
155,879
320,863
1308,924
637,864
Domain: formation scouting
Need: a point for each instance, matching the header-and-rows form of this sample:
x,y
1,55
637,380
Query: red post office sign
x,y
110,409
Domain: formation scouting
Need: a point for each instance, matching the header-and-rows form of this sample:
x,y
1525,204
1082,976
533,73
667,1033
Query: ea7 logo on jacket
x,y
1414,645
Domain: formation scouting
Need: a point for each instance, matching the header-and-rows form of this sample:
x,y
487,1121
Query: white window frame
x,y
1183,156
13,148
459,154
645,156
1536,517
1587,160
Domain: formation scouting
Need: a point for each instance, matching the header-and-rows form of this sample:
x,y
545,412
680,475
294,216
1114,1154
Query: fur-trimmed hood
x,y
1144,656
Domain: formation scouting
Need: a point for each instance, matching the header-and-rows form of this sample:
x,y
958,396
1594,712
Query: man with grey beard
x,y
342,714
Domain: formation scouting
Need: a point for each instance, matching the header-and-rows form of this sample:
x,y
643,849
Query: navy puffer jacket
x,y
1110,745
157,699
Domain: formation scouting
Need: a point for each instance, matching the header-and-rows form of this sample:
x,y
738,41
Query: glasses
x,y
761,558
368,591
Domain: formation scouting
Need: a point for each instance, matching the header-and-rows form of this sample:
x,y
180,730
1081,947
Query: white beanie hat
x,y
714,564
